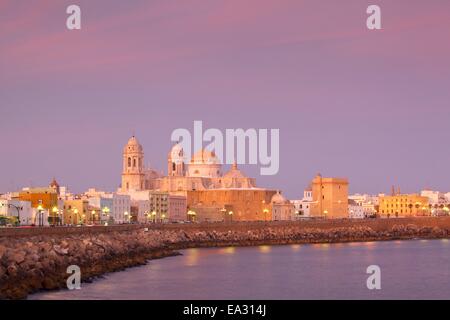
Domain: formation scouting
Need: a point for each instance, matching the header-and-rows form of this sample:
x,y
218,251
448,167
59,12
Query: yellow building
x,y
330,197
403,205
77,212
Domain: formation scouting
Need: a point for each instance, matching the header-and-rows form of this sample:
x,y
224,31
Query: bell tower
x,y
175,162
133,177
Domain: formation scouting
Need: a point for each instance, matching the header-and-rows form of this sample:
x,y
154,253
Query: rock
x,y
2,272
60,250
17,256
12,270
2,251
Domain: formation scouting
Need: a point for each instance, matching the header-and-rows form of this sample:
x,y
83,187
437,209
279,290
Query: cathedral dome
x,y
205,157
235,173
278,198
133,145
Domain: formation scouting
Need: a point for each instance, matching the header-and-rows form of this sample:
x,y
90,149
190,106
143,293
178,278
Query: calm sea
x,y
418,269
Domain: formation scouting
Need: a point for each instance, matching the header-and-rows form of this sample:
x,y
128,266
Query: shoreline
x,y
34,263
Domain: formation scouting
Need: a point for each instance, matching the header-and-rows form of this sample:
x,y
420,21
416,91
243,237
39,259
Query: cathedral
x,y
211,194
203,172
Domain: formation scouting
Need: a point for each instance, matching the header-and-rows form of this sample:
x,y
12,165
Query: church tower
x,y
133,177
175,162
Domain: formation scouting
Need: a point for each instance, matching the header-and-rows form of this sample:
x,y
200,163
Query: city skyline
x,y
369,106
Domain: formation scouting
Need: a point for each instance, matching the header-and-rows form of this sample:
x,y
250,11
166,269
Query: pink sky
x,y
369,105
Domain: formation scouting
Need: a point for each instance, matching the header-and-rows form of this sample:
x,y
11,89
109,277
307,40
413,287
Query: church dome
x,y
234,173
133,145
278,198
205,157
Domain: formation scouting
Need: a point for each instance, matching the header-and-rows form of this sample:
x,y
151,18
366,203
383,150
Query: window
x,y
129,162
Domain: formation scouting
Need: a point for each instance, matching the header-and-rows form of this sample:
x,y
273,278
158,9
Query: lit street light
x,y
191,215
40,210
231,215
55,213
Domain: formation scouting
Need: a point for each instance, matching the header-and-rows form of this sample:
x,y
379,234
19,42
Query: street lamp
x,y
40,209
93,216
223,211
266,211
105,211
154,216
126,216
55,213
163,217
191,215
230,213
75,211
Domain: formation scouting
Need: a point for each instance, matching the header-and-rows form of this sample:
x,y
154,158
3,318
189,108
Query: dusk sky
x,y
372,106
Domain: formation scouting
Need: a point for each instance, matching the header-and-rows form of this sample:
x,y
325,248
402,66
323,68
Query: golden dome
x,y
205,157
278,198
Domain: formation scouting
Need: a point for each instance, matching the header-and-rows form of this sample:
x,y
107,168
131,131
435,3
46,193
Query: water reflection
x,y
265,249
316,271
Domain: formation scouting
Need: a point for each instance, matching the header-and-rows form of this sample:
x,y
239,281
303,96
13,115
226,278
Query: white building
x,y
15,208
367,202
355,210
434,197
302,208
282,209
117,205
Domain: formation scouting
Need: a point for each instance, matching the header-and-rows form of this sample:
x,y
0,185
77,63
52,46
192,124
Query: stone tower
x,y
133,177
175,162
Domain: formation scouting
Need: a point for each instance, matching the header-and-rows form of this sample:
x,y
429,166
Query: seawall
x,y
37,258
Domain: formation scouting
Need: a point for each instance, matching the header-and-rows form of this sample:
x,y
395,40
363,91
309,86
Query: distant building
x,y
11,210
244,204
158,206
434,197
77,212
303,207
177,210
447,197
113,207
355,210
330,197
368,203
282,209
44,201
404,205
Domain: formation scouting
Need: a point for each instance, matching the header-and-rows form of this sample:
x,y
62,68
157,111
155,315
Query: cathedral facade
x,y
211,194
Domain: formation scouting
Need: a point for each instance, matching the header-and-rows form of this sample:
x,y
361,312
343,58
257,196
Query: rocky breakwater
x,y
39,262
